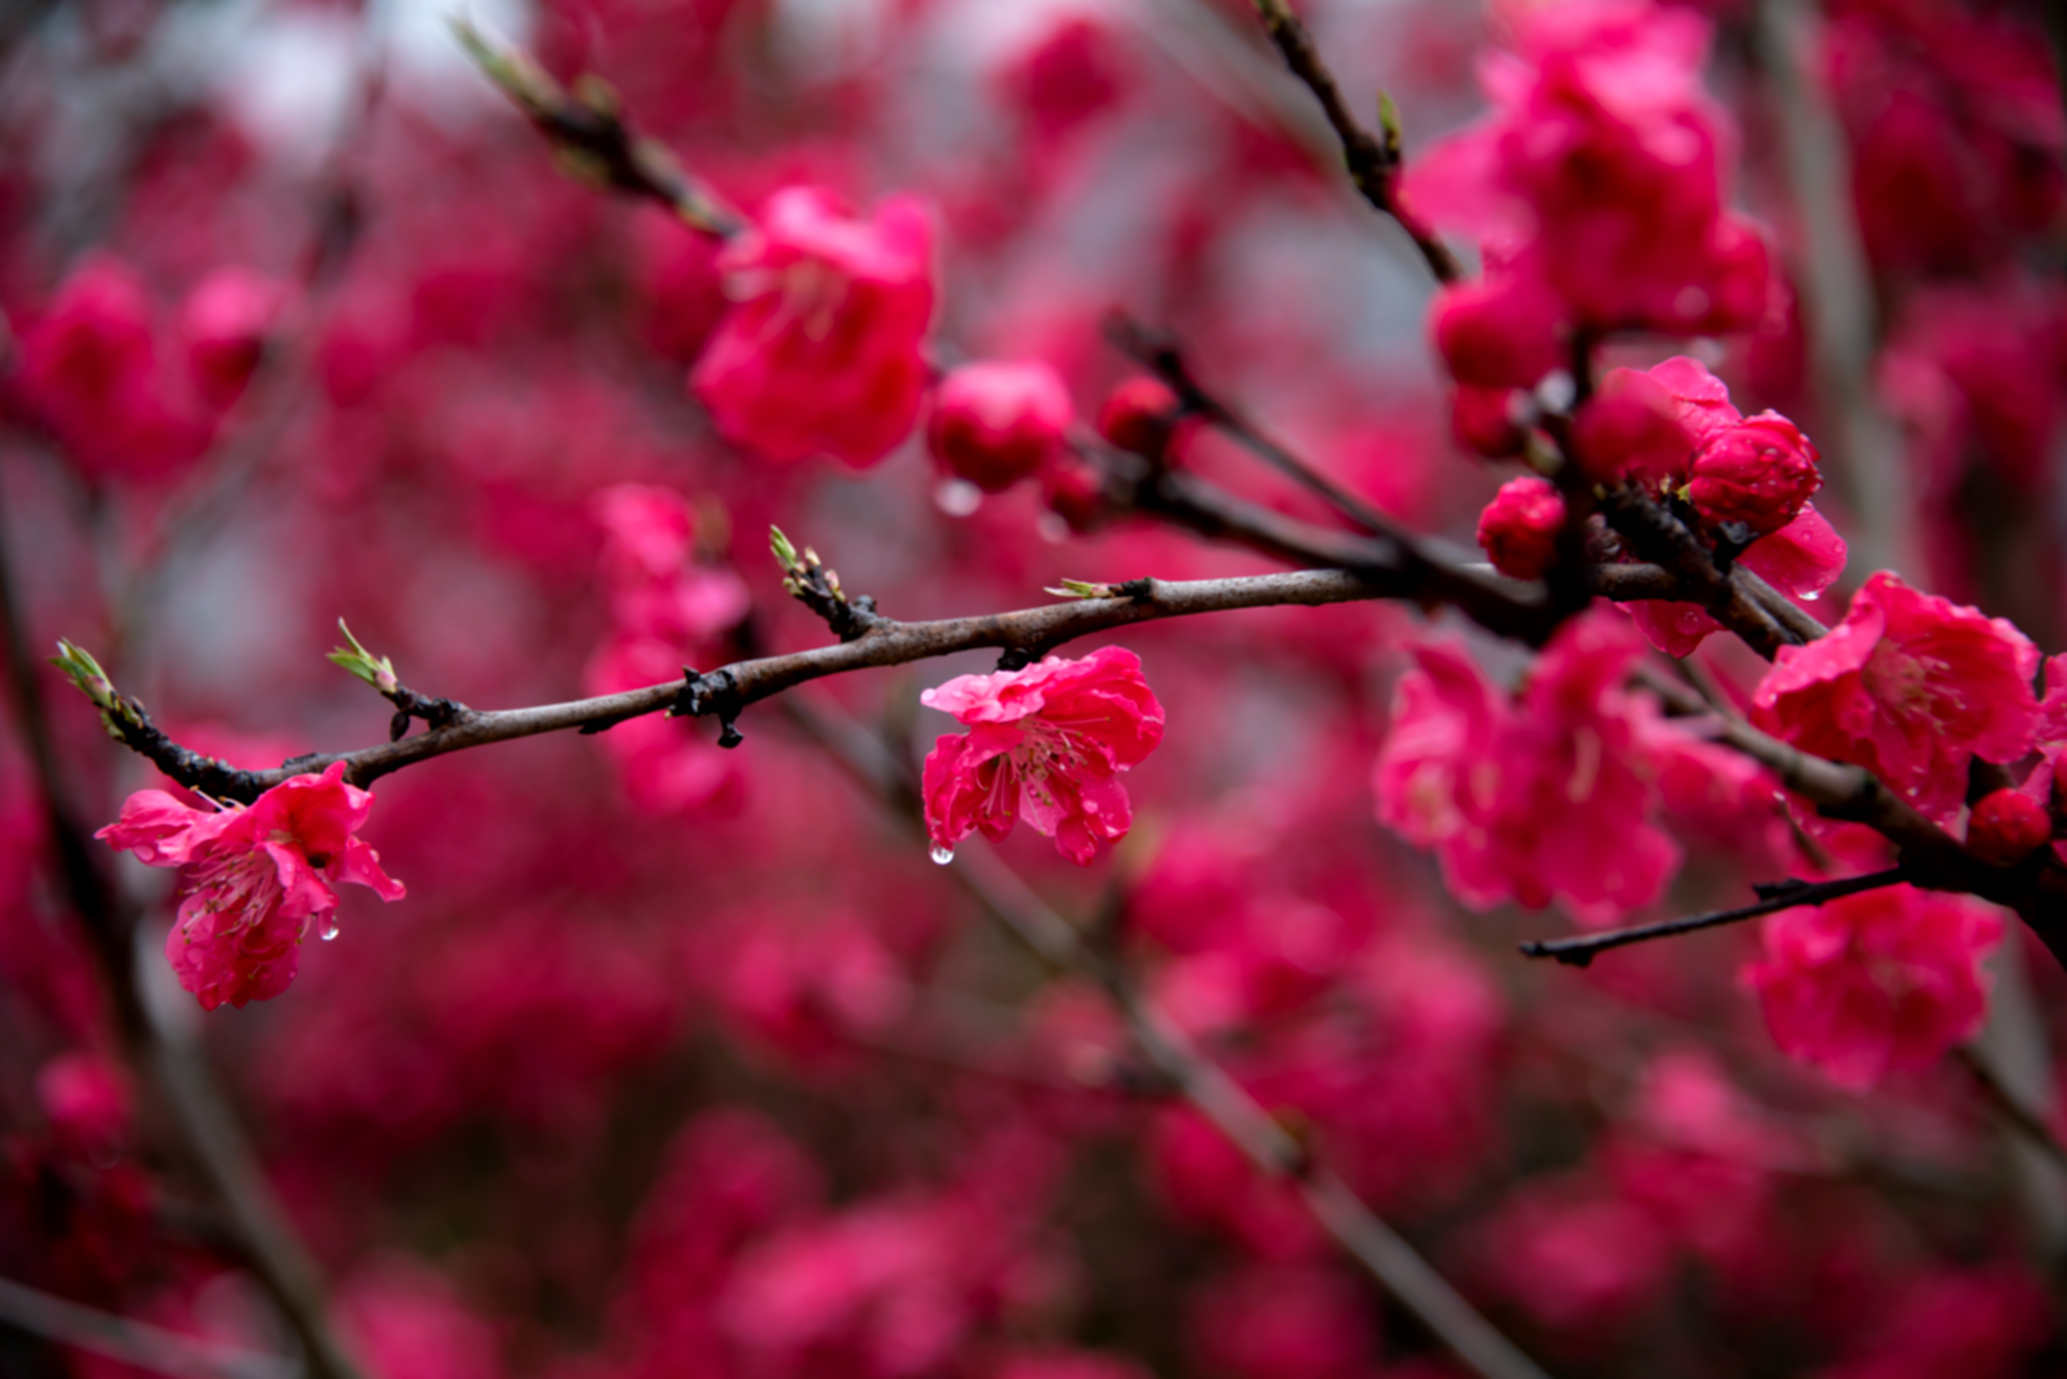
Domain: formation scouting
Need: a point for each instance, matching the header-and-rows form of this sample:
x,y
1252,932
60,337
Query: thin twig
x,y
1373,162
1159,352
1786,895
593,141
1201,1081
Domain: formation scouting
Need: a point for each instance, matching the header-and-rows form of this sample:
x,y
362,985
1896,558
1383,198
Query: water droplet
x,y
329,930
957,497
943,855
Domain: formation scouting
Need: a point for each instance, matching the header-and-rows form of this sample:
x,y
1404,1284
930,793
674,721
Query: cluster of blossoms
x,y
128,396
1596,191
618,963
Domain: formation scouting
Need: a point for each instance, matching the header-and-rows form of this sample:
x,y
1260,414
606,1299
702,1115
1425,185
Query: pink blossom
x,y
89,1101
1632,428
1068,76
658,586
252,881
823,349
224,322
1548,796
1046,744
1909,686
1578,1258
1499,331
1482,421
994,424
1518,530
1286,1322
1880,982
1598,176
91,371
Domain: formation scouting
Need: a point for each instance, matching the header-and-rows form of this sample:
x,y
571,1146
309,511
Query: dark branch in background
x,y
2009,1107
207,1135
1773,897
1261,1139
1159,352
1373,161
591,139
147,1347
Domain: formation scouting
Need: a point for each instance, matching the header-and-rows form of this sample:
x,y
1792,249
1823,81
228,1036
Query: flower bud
x,y
2007,827
1141,416
994,424
225,321
1499,333
1519,527
1073,491
1759,472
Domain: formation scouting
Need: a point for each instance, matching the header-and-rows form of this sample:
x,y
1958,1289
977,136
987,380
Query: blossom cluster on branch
x,y
680,1055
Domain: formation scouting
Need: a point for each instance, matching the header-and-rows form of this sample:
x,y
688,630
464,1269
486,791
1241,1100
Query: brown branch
x,y
1373,162
589,135
207,1135
1205,1084
1786,895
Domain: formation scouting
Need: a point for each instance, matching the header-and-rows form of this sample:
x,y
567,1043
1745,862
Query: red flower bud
x,y
2007,827
1073,491
1629,429
994,424
1519,527
1481,421
1141,416
1758,471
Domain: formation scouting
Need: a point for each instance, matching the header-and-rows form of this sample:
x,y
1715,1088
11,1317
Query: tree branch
x,y
1785,895
1373,162
1205,1084
589,135
135,1343
208,1135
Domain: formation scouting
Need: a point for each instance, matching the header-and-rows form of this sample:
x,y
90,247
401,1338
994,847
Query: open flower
x,y
1909,686
1875,983
1045,744
253,880
823,349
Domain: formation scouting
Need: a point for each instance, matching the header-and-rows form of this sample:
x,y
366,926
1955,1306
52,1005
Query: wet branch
x,y
1783,895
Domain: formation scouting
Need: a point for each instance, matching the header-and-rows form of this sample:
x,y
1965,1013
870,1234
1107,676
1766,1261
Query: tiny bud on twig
x,y
379,673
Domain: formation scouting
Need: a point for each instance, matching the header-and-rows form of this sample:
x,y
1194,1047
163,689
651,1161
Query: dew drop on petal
x,y
329,929
943,855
